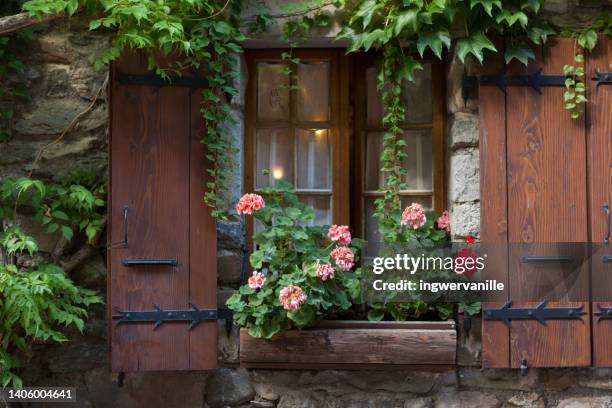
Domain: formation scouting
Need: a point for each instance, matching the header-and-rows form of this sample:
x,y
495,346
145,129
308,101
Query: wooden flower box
x,y
354,345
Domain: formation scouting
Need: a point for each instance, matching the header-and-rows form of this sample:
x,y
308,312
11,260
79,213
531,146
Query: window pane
x,y
417,96
272,92
313,92
373,175
418,162
321,206
374,107
274,152
314,159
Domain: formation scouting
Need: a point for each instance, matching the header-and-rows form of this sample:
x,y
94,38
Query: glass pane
x,y
313,92
272,92
274,152
374,107
417,96
314,159
373,175
425,201
418,162
321,206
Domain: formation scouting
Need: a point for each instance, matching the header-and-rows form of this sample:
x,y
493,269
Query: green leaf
x,y
376,315
366,11
588,39
511,18
487,5
434,41
67,232
474,44
408,17
521,53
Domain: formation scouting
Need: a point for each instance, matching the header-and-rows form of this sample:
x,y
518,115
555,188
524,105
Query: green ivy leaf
x,y
376,315
521,53
408,17
588,39
434,41
474,44
487,5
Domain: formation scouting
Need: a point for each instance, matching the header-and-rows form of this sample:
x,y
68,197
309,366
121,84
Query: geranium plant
x,y
300,272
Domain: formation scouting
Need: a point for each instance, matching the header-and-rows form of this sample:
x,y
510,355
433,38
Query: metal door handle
x,y
547,258
143,262
606,208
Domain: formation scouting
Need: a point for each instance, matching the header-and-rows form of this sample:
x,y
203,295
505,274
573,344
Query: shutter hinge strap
x,y
536,81
541,313
195,316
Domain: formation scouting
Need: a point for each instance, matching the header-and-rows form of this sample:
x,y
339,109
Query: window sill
x,y
355,345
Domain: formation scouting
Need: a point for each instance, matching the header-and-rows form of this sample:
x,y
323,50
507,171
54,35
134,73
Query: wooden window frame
x,y
339,124
361,63
347,99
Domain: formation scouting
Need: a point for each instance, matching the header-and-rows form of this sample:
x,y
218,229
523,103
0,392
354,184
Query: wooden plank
x,y
150,147
599,148
433,368
494,205
547,182
351,346
202,247
365,324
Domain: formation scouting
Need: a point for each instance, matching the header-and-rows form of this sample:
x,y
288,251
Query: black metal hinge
x,y
536,81
541,313
603,313
602,78
195,316
156,80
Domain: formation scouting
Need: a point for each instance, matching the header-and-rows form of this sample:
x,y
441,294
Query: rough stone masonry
x,y
62,83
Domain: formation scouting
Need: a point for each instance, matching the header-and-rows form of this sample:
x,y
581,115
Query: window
x,y
321,130
423,132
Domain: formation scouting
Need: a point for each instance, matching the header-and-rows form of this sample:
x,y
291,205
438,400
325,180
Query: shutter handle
x,y
606,208
126,212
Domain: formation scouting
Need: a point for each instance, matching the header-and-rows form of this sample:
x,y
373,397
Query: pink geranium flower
x,y
257,280
343,257
443,221
292,297
460,259
248,203
325,271
414,215
340,233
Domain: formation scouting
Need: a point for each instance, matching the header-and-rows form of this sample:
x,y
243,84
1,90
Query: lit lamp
x,y
277,173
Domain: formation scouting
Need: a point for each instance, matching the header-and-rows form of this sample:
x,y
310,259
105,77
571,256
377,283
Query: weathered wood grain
x,y
342,347
546,156
494,205
599,148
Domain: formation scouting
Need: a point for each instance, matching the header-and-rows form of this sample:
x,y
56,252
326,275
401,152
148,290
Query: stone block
x,y
465,176
497,379
527,400
465,220
586,402
464,130
229,266
467,399
228,387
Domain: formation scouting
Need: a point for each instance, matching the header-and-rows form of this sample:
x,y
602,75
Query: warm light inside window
x,y
319,132
277,173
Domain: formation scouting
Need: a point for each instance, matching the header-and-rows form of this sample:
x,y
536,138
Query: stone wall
x,y
62,84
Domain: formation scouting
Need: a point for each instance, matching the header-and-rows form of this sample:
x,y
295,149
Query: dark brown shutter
x,y
158,173
599,145
534,178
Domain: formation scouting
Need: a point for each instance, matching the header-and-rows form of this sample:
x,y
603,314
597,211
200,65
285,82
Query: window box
x,y
354,345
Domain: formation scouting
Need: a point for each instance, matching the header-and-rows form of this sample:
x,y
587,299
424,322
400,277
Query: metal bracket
x,y
547,258
536,81
604,312
541,313
602,78
156,80
149,262
194,315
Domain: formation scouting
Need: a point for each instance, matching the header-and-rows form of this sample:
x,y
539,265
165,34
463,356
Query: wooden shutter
x,y
599,144
534,178
158,174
